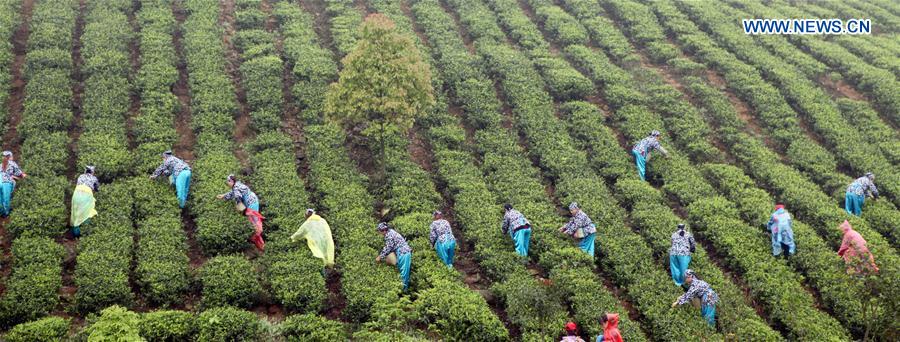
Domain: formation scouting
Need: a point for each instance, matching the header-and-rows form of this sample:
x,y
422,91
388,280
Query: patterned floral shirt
x,y
440,231
580,220
647,145
12,170
513,219
241,192
171,166
394,242
88,180
862,185
681,245
699,289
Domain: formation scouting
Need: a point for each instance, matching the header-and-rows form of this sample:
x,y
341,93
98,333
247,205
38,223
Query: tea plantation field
x,y
538,103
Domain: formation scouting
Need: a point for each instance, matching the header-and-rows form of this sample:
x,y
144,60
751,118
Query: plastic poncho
x,y
611,330
853,250
82,205
318,238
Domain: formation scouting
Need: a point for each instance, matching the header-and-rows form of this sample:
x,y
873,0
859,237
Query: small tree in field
x,y
384,85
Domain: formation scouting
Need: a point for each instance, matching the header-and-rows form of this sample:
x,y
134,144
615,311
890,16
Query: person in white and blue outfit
x,y
580,221
781,232
179,175
641,152
395,243
519,229
9,173
442,239
701,290
857,192
683,245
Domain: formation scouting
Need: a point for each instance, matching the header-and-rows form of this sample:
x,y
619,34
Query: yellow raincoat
x,y
82,205
318,238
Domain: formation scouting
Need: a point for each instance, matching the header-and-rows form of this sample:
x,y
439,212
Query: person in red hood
x,y
571,333
854,251
610,323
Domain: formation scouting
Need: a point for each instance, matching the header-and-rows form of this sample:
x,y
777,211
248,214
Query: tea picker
x,y
699,289
857,192
442,239
9,173
610,323
318,237
396,252
580,227
247,203
179,175
571,333
642,149
518,228
781,232
683,246
855,252
83,200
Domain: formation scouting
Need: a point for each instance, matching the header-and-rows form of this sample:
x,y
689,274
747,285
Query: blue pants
x,y
641,164
76,230
853,203
709,314
6,191
600,338
678,264
587,244
522,238
183,186
404,264
446,251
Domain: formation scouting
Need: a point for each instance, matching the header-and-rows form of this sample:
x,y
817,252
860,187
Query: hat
x,y
846,226
230,178
870,175
779,206
167,153
570,326
691,273
507,206
681,226
655,133
7,153
437,212
89,169
573,205
382,226
310,211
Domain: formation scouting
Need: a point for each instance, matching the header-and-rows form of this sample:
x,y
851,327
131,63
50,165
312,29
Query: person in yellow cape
x,y
318,237
83,200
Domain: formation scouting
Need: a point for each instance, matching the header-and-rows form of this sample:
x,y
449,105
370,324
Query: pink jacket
x,y
853,245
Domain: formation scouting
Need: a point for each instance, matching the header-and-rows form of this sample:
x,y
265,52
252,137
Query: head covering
x,y
870,175
310,211
846,226
230,178
437,212
7,153
681,226
89,169
573,205
507,207
570,326
691,273
779,206
167,153
655,133
382,226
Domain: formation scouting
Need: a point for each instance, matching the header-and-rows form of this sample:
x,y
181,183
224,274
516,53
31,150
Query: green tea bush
x,y
309,327
229,280
162,262
228,324
32,287
168,325
50,329
115,324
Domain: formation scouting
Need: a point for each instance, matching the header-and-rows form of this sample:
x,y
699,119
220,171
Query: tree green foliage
x,y
384,84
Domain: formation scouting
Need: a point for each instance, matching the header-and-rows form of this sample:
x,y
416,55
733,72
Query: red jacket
x,y
611,330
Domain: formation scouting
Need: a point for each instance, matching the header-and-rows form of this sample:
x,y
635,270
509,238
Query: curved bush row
x,y
153,128
105,251
345,20
106,68
218,324
314,67
863,118
871,53
810,100
33,286
592,17
793,189
39,201
887,21
213,102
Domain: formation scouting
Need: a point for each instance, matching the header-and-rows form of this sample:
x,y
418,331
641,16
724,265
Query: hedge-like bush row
x,y
106,68
10,19
791,187
162,269
105,251
32,287
260,66
860,9
51,329
521,186
592,17
345,20
808,99
762,163
153,128
863,118
314,67
229,280
213,102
